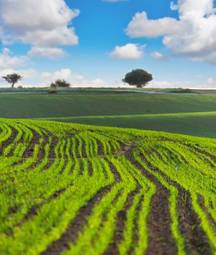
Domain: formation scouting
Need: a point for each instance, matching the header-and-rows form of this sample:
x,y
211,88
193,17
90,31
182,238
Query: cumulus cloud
x,y
191,35
128,51
44,25
35,78
8,61
46,52
141,26
73,78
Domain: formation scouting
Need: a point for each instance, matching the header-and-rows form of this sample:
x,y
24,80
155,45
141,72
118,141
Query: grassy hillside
x,y
191,113
197,124
85,103
73,189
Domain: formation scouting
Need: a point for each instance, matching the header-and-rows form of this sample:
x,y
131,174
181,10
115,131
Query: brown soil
x,y
136,227
34,209
160,237
35,140
114,171
90,168
126,149
120,225
208,214
195,238
196,241
75,227
9,140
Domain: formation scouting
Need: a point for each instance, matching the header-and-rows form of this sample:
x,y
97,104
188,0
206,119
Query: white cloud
x,y
44,24
8,61
13,64
34,78
73,78
191,35
128,51
159,56
141,26
211,83
46,52
207,83
170,84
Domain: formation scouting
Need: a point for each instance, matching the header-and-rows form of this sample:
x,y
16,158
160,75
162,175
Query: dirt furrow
x,y
120,224
115,173
9,140
126,149
195,238
136,227
207,154
160,237
75,227
208,214
30,148
34,209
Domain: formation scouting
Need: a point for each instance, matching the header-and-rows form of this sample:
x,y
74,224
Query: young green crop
x,y
103,180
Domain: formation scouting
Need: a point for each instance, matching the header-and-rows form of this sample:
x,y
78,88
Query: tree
x,y
53,89
138,78
12,78
62,84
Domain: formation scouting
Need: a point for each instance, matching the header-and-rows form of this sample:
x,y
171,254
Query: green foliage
x,y
60,84
56,174
12,78
138,78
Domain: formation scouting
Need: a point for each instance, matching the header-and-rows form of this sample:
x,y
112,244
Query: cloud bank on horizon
x,y
95,44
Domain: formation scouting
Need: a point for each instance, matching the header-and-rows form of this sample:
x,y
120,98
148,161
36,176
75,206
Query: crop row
x,y
73,189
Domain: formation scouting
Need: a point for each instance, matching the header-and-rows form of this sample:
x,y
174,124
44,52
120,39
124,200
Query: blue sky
x,y
111,40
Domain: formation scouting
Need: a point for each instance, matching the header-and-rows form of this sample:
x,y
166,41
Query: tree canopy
x,y
61,84
12,78
138,78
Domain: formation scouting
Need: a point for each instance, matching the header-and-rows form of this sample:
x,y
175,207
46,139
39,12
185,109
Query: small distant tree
x,y
62,84
138,78
52,89
12,78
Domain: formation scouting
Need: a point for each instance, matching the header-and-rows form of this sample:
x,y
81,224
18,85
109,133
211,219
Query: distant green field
x,y
197,124
191,113
84,103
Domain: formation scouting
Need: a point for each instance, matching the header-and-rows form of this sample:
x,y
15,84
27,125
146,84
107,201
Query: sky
x,y
96,42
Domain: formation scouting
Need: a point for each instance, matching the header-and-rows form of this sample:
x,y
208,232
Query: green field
x,y
192,113
93,103
75,189
197,124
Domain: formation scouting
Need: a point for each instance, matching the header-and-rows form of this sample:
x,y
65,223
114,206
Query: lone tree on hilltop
x,y
52,89
61,84
12,78
138,78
